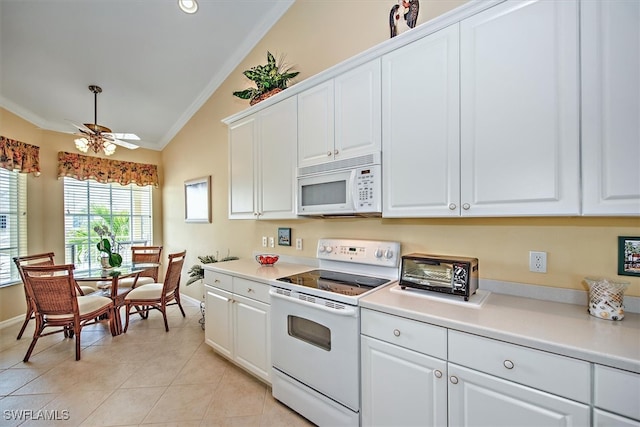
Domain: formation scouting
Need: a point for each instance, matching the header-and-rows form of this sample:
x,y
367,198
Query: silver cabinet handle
x,y
508,364
335,152
216,281
396,332
437,373
250,290
452,206
329,153
453,379
466,206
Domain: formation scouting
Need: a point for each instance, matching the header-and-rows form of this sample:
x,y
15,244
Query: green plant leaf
x,y
115,260
244,94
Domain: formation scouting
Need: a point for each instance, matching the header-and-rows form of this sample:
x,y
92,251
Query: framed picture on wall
x,y
284,236
197,200
629,256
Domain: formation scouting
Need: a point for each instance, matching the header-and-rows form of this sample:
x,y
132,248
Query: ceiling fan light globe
x,y
188,6
109,148
82,144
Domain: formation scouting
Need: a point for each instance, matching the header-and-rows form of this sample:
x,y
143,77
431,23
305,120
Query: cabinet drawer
x,y
250,289
617,391
411,334
219,280
534,368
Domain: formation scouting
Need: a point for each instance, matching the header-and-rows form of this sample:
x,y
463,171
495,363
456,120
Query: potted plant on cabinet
x,y
269,79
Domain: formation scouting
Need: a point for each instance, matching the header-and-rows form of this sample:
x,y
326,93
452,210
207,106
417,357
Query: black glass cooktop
x,y
336,282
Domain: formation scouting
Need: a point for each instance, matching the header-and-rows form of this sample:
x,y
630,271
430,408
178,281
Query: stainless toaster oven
x,y
449,275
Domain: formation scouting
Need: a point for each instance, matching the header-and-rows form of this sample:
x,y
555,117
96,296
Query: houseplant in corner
x,y
269,79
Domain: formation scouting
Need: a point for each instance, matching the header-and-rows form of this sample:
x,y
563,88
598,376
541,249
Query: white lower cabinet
x,y
477,399
401,387
616,397
237,322
418,374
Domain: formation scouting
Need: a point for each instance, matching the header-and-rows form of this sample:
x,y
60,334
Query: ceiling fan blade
x,y
129,136
81,128
124,144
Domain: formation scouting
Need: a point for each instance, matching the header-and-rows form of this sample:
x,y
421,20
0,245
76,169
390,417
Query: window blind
x,y
125,209
13,223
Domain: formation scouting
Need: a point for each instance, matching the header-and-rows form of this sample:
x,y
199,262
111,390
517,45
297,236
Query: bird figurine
x,y
403,16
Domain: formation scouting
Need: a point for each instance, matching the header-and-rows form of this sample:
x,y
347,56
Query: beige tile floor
x,y
144,377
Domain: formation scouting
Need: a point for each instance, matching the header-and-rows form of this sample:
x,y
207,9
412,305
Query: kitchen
x,y
577,246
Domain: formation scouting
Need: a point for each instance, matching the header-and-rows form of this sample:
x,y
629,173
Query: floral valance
x,y
105,170
18,156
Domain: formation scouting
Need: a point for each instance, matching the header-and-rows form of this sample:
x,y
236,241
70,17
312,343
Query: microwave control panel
x,y
366,182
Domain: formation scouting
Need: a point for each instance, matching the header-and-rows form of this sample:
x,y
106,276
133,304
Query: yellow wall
x,y
315,35
45,214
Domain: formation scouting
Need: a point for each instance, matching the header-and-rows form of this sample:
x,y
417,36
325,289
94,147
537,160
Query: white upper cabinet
x,y
610,107
520,151
421,137
340,118
315,125
262,163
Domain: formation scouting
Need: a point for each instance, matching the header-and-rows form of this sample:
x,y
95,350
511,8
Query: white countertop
x,y
561,328
250,269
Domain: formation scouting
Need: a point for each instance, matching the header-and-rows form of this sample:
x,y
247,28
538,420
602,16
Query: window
x,y
13,223
126,210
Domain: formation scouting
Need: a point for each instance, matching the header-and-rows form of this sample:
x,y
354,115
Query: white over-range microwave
x,y
349,187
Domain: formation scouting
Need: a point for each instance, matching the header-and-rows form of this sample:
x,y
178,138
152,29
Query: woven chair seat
x,y
146,292
86,304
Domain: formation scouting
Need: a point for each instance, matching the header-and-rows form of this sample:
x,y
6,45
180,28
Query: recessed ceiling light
x,y
188,6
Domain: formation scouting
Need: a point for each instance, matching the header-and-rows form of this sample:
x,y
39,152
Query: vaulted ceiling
x,y
155,64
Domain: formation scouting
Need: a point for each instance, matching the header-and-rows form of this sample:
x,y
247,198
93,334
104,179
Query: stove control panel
x,y
374,252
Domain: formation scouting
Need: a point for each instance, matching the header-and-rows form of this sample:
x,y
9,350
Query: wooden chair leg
x,y
36,335
180,305
126,323
26,320
163,308
78,343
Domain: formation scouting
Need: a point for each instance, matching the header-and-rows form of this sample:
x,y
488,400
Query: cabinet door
x,y
357,111
421,137
607,419
242,170
315,125
610,107
401,387
252,336
218,304
519,110
278,160
477,399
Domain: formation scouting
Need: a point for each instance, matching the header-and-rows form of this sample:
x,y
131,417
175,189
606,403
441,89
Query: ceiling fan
x,y
97,137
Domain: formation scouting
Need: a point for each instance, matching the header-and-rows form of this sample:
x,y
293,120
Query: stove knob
x,y
388,254
329,249
321,248
378,253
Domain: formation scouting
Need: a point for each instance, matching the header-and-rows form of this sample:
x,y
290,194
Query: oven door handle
x,y
347,311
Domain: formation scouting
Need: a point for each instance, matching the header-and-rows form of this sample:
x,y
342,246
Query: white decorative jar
x,y
606,298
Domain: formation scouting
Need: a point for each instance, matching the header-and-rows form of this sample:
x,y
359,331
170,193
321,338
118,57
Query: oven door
x,y
317,346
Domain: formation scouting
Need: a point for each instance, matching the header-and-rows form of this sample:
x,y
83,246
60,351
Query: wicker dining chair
x,y
56,303
158,295
34,260
140,254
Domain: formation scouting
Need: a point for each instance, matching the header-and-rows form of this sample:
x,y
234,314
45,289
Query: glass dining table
x,y
111,290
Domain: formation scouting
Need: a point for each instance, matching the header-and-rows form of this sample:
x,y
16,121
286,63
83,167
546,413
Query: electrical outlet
x,y
264,241
272,242
538,262
299,244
